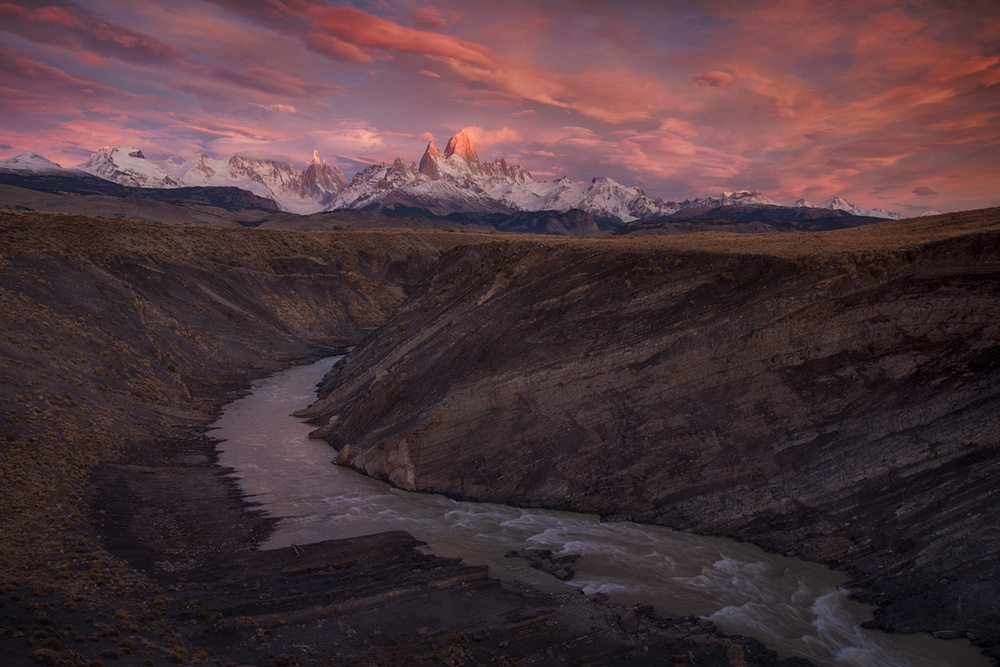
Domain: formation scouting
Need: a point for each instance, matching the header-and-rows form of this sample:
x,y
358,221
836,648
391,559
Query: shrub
x,y
727,277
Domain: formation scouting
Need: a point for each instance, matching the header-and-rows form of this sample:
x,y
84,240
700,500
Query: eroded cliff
x,y
835,396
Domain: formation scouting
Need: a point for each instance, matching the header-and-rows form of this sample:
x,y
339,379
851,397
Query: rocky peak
x,y
461,146
838,202
320,177
459,155
428,166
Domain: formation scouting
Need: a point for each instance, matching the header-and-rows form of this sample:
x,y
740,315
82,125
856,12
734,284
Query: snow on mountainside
x,y
126,165
838,203
739,198
453,181
294,191
29,161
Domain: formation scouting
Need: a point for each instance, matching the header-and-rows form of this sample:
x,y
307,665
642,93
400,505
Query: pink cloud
x,y
486,138
431,18
269,81
875,96
715,78
363,30
76,28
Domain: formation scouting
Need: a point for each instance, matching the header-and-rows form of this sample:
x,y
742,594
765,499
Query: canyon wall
x,y
834,396
117,333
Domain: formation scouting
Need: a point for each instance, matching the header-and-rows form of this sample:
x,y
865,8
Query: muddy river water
x,y
793,607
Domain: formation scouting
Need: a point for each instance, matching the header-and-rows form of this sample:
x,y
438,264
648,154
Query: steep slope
x,y
835,396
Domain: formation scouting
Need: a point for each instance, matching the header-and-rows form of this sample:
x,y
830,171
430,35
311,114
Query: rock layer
x,y
835,396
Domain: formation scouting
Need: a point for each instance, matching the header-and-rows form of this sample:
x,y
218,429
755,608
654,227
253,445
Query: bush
x,y
727,277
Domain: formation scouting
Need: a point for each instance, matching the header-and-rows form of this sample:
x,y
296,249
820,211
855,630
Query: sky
x,y
889,104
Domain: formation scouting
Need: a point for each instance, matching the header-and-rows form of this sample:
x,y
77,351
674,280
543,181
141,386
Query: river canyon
x,y
830,396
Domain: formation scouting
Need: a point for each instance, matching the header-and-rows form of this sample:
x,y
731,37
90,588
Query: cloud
x,y
431,18
271,82
73,27
486,138
715,79
37,88
687,98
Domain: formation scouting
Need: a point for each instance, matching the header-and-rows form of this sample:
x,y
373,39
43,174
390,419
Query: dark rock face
x,y
839,404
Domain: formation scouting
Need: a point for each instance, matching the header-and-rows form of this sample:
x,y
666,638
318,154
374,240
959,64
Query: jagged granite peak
x,y
126,165
428,164
461,146
322,179
501,169
29,161
458,159
295,191
737,198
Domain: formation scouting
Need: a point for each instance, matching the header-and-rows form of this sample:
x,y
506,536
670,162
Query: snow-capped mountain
x,y
838,203
28,161
455,181
452,181
738,198
126,165
294,191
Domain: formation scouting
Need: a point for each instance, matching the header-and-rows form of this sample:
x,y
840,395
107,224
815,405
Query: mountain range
x,y
451,184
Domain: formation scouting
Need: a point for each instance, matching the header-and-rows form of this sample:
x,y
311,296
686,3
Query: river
x,y
794,607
